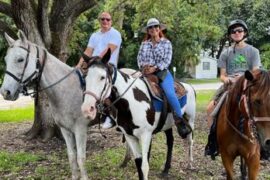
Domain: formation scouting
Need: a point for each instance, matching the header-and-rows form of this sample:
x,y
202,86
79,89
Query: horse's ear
x,y
86,58
9,39
105,59
22,36
249,76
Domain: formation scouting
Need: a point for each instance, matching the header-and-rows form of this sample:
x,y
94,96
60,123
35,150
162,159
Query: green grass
x,y
203,98
14,162
202,81
17,115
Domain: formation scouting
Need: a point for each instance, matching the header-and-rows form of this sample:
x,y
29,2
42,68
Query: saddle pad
x,y
220,102
158,105
155,90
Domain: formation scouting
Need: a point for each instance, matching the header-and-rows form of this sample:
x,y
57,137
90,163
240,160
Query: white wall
x,y
206,74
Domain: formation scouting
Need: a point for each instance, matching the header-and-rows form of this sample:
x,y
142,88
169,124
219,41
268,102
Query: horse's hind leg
x,y
81,138
170,139
228,164
243,168
72,157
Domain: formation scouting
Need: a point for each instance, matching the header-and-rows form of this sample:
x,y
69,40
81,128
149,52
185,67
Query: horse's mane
x,y
261,83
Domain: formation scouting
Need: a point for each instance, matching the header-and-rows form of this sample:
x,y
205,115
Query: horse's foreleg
x,y
190,150
72,157
228,164
135,148
81,138
145,140
170,139
253,164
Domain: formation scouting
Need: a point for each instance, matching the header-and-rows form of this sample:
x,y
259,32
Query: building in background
x,y
206,69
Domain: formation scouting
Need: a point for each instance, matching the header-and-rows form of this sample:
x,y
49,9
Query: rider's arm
x,y
111,46
224,77
88,51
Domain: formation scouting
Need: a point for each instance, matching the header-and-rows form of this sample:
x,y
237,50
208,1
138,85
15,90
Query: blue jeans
x,y
168,87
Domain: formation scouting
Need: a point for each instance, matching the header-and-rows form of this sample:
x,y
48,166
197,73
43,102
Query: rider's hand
x,y
227,80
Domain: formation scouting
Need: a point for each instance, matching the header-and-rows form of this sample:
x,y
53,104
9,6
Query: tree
x,y
47,23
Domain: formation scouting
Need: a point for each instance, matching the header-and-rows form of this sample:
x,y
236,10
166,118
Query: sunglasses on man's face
x,y
234,31
151,27
105,19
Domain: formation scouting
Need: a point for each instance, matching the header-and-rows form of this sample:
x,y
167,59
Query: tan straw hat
x,y
153,22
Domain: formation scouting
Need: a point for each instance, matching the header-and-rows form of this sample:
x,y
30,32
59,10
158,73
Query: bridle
x,y
107,86
112,78
33,77
248,115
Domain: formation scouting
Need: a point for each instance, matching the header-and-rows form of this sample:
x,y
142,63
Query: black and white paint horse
x,y
25,62
136,116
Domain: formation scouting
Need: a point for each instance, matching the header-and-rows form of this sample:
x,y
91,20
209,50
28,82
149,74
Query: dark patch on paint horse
x,y
124,75
124,118
140,96
150,115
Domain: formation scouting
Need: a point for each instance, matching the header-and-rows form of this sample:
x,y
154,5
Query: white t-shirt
x,y
99,41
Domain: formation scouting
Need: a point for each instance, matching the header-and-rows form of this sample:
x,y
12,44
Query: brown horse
x,y
243,124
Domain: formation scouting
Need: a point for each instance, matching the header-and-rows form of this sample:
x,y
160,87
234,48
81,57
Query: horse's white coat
x,y
65,98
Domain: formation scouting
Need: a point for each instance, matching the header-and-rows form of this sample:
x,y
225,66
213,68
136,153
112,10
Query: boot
x,y
182,126
211,149
109,123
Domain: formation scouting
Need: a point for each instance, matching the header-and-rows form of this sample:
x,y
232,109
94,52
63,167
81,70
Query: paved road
x,y
207,86
26,100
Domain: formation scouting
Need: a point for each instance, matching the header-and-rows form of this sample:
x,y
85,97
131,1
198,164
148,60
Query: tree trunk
x,y
48,30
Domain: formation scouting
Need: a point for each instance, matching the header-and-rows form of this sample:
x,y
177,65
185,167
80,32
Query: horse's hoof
x,y
164,174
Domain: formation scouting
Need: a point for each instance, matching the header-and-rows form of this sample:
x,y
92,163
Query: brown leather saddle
x,y
152,82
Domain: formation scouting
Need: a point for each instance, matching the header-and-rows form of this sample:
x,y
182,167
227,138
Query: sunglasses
x,y
234,31
107,19
151,27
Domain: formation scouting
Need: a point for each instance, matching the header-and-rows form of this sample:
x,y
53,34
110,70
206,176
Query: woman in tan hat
x,y
154,57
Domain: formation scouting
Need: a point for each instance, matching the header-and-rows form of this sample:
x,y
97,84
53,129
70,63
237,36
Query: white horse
x,y
26,62
135,114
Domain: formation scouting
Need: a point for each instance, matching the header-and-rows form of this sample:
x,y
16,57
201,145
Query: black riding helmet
x,y
235,23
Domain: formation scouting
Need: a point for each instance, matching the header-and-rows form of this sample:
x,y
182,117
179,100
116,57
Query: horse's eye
x,y
257,102
20,60
102,77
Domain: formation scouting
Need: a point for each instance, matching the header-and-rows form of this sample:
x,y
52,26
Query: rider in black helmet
x,y
233,62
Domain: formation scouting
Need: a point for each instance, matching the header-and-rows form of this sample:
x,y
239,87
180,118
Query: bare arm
x,y
88,51
111,46
223,76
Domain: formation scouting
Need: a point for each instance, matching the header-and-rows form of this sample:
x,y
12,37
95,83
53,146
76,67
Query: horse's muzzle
x,y
89,111
7,95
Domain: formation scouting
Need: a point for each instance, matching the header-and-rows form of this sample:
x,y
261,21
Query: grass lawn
x,y
202,81
17,115
203,98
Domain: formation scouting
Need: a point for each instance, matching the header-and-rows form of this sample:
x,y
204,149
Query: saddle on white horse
x,y
155,90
